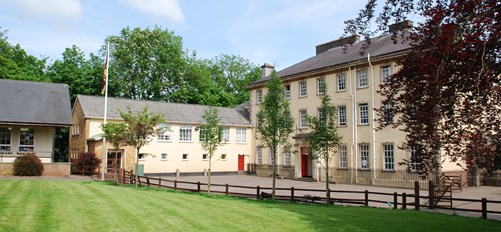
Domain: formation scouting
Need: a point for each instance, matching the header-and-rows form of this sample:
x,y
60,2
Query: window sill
x,y
164,141
342,126
340,91
303,96
363,169
241,143
388,170
364,124
362,87
186,141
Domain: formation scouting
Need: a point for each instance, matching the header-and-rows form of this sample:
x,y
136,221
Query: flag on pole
x,y
105,75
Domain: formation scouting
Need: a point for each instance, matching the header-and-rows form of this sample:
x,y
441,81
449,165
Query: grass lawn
x,y
38,205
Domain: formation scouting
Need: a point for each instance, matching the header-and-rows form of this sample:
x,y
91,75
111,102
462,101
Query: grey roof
x,y
380,46
93,107
34,103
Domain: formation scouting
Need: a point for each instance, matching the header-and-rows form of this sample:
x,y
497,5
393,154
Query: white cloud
x,y
48,9
161,8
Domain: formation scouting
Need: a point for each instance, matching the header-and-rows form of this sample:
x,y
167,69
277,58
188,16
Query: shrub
x,y
27,165
86,164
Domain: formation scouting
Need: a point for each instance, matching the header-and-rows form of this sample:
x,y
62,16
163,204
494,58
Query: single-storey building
x,y
30,113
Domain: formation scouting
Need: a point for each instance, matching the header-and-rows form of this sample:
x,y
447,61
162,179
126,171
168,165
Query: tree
x,y
115,134
275,121
448,91
211,136
136,130
145,63
324,138
16,64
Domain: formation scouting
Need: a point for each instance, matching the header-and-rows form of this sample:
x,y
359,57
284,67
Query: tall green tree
x,y
16,64
275,121
211,137
114,134
145,63
138,127
447,93
324,138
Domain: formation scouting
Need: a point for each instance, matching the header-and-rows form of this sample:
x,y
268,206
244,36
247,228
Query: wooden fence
x,y
364,198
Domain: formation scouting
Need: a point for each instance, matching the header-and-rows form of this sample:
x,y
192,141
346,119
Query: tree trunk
x,y
135,166
209,174
274,173
327,191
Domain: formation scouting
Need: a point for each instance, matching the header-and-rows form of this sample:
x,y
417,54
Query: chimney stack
x,y
336,43
266,70
406,25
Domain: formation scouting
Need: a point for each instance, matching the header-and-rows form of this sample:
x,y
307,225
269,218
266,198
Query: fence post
x,y
417,204
431,194
258,189
366,197
484,208
175,185
159,182
148,181
404,200
292,193
198,186
226,191
395,200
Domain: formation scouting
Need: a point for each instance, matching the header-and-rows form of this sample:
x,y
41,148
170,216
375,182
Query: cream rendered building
x,y
178,150
366,155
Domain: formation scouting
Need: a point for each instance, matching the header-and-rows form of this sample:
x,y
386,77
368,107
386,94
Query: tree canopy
x,y
448,90
274,121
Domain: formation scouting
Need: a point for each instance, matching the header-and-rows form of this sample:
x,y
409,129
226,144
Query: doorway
x,y
305,162
114,161
241,163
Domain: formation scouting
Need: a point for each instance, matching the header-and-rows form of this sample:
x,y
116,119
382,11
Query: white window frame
x,y
321,85
141,156
272,162
389,156
162,156
387,112
185,133
342,115
166,135
259,96
287,156
363,150
7,132
241,135
30,145
385,73
412,154
225,135
259,155
303,122
362,80
205,156
185,156
343,154
287,91
341,82
363,109
303,88
201,135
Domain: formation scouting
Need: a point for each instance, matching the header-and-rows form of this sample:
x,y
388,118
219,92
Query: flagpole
x,y
105,108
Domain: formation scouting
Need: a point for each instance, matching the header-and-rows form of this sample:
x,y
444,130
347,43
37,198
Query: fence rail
x,y
366,198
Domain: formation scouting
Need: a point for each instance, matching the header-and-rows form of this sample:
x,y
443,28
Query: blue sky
x,y
281,32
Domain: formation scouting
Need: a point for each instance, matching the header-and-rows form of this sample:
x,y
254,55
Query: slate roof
x,y
93,107
34,103
334,57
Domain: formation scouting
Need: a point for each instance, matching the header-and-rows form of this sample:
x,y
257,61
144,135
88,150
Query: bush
x,y
28,165
86,164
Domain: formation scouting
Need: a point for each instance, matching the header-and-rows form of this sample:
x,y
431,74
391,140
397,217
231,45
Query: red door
x,y
241,162
304,161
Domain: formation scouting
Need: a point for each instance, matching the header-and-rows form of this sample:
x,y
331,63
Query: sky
x,y
279,32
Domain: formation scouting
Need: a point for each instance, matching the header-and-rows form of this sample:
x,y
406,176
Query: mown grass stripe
x,y
96,206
